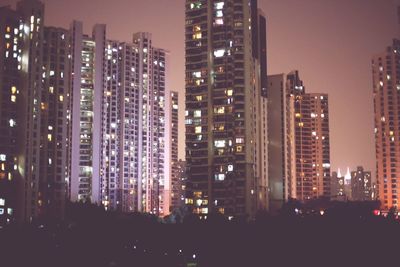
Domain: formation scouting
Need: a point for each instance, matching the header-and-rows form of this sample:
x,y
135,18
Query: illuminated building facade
x,y
55,122
308,148
361,185
176,185
386,89
226,149
86,104
337,187
34,86
135,141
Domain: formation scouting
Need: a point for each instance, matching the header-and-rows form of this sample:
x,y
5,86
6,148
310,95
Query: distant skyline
x,y
330,42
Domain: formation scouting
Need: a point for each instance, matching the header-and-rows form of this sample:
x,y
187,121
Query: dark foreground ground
x,y
343,236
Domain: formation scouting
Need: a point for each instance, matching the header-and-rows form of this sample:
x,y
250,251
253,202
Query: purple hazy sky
x,y
330,42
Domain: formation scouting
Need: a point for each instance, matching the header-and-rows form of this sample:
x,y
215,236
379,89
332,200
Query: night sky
x,y
331,43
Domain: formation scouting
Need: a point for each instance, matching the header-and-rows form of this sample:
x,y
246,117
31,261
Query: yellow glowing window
x,y
229,92
8,45
220,110
3,167
239,148
197,36
301,124
8,29
13,90
43,106
199,98
61,98
197,28
298,115
221,210
197,129
197,193
49,137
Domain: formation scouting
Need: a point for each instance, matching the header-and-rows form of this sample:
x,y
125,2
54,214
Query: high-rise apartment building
x,y
386,88
276,139
298,129
176,185
337,187
225,107
361,185
86,112
135,141
34,82
55,122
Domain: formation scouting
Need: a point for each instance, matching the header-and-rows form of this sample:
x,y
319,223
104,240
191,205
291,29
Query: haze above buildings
x,y
330,42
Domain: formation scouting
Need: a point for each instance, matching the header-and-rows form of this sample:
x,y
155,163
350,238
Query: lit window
x,y
197,35
49,137
12,122
229,92
51,89
298,115
13,90
3,157
219,21
1,211
239,140
301,124
314,133
52,73
230,168
220,110
197,74
220,143
197,113
239,148
61,98
2,202
219,5
219,53
197,129
199,98
196,5
219,177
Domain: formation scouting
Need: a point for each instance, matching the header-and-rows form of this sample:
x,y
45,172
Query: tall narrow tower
x,y
225,93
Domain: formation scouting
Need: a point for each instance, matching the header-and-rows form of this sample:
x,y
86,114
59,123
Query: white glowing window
x,y
230,168
1,211
313,115
239,140
52,73
322,115
2,202
3,157
219,14
314,133
388,77
220,143
326,165
380,68
219,52
381,83
220,177
197,129
219,21
219,5
197,113
12,122
197,74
